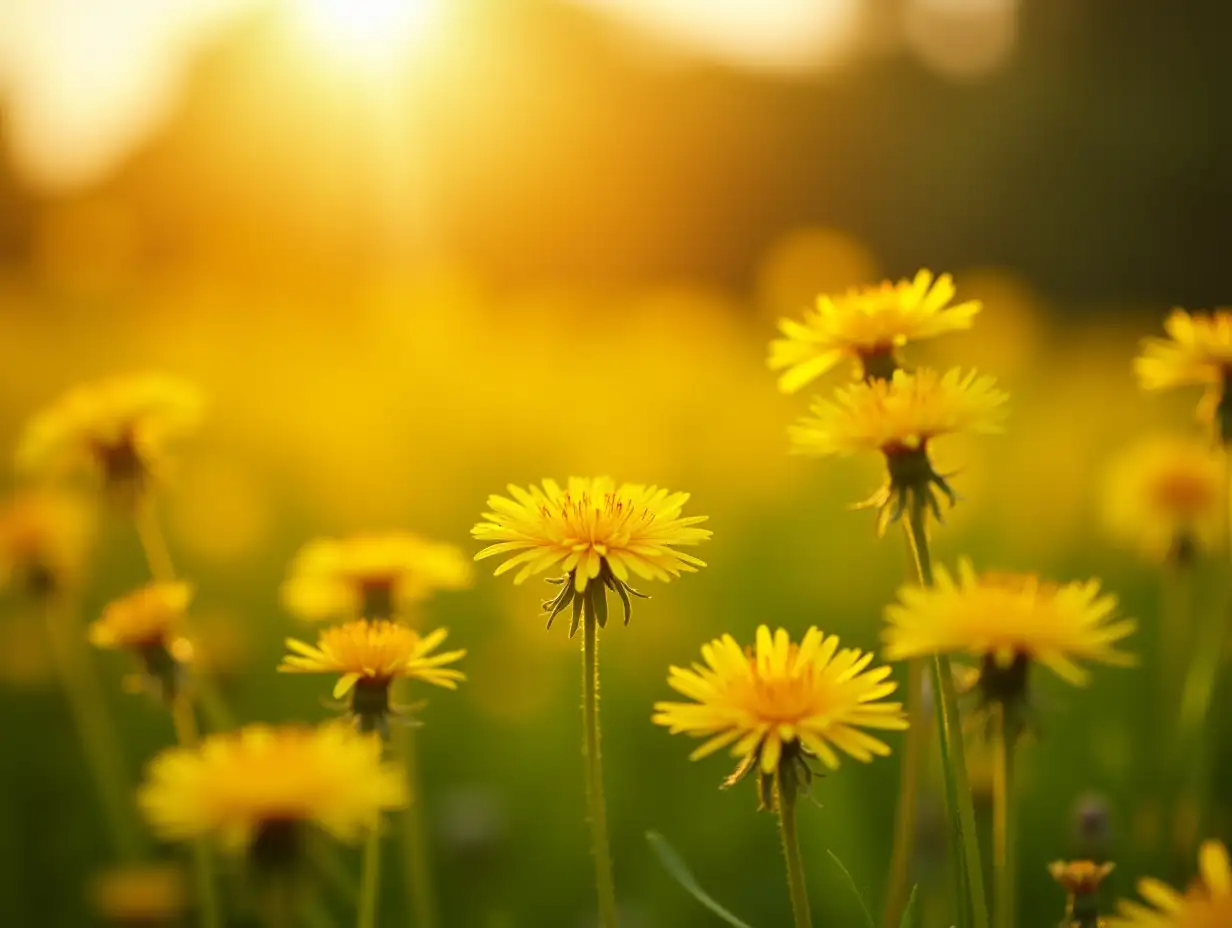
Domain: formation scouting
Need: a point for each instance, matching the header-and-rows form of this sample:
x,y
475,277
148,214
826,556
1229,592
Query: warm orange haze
x,y
841,386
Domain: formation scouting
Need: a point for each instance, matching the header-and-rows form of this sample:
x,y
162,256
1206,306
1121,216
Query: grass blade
x,y
855,890
908,920
680,872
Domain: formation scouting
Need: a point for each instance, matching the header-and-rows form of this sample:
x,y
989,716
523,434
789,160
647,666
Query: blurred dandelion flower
x,y
140,895
44,538
867,325
1079,877
369,656
377,576
148,622
1207,903
119,430
591,530
1164,496
899,417
1197,351
1007,621
260,788
781,703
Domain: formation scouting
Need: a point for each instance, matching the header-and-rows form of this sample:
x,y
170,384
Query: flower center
x,y
1184,495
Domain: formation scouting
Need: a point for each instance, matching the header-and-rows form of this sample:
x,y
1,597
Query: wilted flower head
x,y
373,575
899,417
781,703
1207,903
1164,496
145,896
371,655
44,537
867,325
149,622
258,788
591,530
1081,880
1007,621
117,430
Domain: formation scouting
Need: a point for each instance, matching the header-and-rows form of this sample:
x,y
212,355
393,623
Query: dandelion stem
x,y
915,754
203,859
596,801
785,799
370,877
415,854
99,739
971,901
1003,823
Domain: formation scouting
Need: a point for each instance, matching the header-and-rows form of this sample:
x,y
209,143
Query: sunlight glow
x,y
368,34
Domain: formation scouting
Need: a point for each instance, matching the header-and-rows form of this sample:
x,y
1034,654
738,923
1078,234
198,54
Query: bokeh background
x,y
415,250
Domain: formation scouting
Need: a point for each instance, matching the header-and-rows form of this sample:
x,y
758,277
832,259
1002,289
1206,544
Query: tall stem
x,y
595,799
416,858
370,878
203,859
972,903
915,754
99,739
785,799
1003,823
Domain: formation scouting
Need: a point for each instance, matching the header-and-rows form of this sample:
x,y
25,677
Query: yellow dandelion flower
x,y
1197,351
119,430
151,615
1164,496
781,702
247,788
1207,903
1007,620
369,656
899,417
376,575
1080,877
867,325
149,894
591,530
44,538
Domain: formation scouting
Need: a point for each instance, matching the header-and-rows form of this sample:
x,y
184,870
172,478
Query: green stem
x,y
915,754
1003,823
416,857
203,859
972,904
785,800
370,877
99,739
595,800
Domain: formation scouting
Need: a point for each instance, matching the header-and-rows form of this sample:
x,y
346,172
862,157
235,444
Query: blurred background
x,y
413,250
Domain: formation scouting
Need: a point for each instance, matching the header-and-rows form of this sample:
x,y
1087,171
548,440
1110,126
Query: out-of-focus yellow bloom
x,y
1007,620
1164,496
372,654
781,702
1080,877
867,325
1207,903
44,538
152,615
900,414
1198,351
119,430
591,530
235,786
377,576
149,895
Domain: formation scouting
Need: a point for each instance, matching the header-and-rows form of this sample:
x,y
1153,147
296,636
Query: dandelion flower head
x,y
44,538
1197,351
1079,877
375,653
1207,903
234,785
780,701
119,430
376,575
589,530
866,325
152,615
1006,620
1164,496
